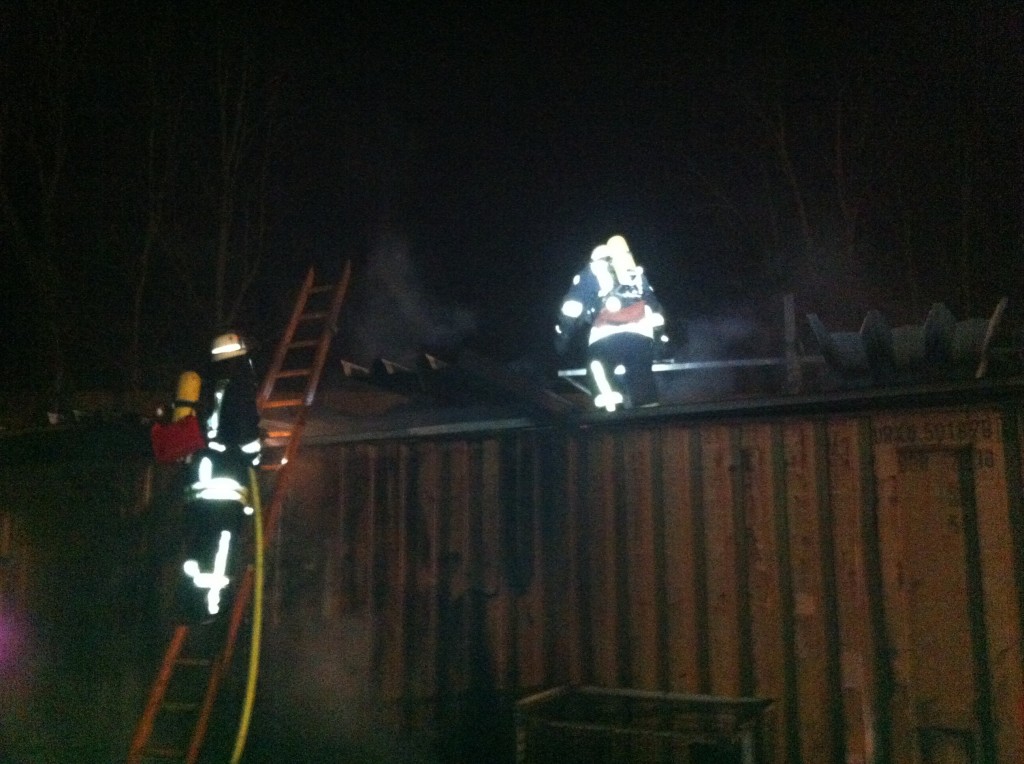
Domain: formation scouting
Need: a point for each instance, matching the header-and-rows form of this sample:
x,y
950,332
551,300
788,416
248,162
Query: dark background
x,y
467,160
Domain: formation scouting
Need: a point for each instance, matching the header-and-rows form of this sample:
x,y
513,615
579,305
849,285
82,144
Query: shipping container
x,y
856,561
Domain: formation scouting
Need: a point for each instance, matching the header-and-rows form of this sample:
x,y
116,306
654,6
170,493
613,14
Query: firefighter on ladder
x,y
613,297
218,466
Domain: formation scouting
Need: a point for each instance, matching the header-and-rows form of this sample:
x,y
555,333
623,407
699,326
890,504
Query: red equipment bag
x,y
176,440
631,314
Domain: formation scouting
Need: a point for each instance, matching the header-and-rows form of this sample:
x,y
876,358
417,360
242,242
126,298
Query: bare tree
x,y
239,100
202,207
161,165
245,109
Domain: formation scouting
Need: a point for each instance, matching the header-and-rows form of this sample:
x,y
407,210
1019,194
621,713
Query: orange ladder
x,y
177,715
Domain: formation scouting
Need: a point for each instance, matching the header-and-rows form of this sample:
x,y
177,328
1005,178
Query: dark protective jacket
x,y
608,306
234,418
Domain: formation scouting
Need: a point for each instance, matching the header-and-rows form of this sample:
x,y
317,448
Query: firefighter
x,y
218,490
234,420
614,299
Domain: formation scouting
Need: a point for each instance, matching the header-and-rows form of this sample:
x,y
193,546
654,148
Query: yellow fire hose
x,y
257,623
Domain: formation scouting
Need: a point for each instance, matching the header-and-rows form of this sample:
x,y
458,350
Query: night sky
x,y
468,161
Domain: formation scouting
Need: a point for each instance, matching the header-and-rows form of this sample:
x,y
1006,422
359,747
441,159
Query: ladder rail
x,y
220,665
282,347
291,448
327,334
144,729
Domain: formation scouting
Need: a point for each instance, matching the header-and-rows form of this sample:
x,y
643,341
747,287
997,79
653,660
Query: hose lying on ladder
x,y
257,622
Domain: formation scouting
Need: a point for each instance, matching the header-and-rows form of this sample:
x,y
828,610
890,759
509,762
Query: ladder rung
x,y
282,403
275,434
316,315
304,344
321,289
170,754
293,373
193,661
179,706
271,467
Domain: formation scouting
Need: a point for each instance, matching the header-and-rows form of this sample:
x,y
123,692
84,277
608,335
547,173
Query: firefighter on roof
x,y
613,297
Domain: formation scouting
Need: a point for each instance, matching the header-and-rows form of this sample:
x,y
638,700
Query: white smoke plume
x,y
718,339
393,315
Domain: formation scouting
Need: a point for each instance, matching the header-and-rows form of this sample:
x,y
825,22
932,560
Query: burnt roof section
x,y
467,379
359,412
942,362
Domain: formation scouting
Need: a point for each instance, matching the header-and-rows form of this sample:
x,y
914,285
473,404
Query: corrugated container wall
x,y
863,571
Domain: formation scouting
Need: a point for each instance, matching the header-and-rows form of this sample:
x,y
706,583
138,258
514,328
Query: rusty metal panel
x,y
950,591
575,599
852,496
771,671
685,571
810,608
600,563
639,558
431,505
861,571
534,604
721,549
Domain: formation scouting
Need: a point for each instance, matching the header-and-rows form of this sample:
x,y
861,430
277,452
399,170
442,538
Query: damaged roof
x,y
434,398
942,360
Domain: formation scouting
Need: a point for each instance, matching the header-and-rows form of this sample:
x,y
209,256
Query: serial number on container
x,y
929,433
920,461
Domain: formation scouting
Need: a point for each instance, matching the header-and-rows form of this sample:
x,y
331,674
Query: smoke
x,y
326,705
718,339
393,315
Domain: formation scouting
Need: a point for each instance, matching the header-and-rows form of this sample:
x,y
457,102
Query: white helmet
x,y
601,252
228,345
617,244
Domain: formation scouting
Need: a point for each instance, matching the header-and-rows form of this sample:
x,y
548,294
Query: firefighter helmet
x,y
617,245
601,252
228,345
